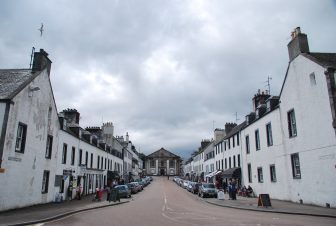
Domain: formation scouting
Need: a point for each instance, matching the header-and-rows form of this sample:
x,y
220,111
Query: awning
x,y
232,173
213,173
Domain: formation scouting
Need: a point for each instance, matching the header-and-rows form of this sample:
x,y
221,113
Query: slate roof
x,y
155,154
12,81
324,59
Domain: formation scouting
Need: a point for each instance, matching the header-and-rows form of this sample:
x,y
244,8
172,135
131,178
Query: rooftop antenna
x,y
31,58
41,29
237,117
269,84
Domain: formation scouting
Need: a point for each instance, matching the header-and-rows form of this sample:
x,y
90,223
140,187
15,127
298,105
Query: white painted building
x,y
287,146
28,125
308,120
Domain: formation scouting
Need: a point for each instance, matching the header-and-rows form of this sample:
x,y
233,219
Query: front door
x,y
162,172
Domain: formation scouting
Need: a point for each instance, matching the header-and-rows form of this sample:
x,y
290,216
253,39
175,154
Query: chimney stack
x,y
298,44
41,61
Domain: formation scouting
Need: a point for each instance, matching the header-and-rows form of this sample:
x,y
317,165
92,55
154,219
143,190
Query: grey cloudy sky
x,y
163,71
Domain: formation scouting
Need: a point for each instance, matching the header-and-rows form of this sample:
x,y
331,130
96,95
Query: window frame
x,y
260,175
45,181
296,166
49,145
247,141
292,126
64,153
73,155
21,136
257,139
249,172
273,173
269,136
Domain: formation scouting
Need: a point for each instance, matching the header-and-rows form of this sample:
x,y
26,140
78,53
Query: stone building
x,y
163,162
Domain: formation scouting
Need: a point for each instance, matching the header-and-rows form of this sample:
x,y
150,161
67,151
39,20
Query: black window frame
x,y
73,155
249,172
22,138
45,181
260,175
49,145
269,135
273,173
296,169
257,139
292,126
247,141
64,153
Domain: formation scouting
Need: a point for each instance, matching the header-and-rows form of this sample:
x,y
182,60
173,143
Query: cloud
x,y
164,71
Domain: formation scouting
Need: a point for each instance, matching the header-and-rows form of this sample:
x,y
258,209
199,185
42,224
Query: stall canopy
x,y
232,173
213,173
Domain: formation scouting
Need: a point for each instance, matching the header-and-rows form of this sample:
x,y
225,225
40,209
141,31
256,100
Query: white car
x,y
185,183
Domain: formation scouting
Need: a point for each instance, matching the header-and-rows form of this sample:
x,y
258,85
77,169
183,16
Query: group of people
x,y
232,188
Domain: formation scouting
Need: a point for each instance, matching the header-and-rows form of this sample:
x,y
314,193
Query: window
x,y
238,158
98,159
296,166
152,164
64,154
229,162
272,173
233,141
49,117
234,161
105,162
80,157
229,144
269,134
21,138
247,141
45,181
257,140
49,147
260,175
101,162
73,156
249,172
91,161
222,164
224,146
312,79
86,158
291,123
225,164
237,139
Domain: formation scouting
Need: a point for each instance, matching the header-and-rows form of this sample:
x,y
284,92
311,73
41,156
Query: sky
x,y
166,72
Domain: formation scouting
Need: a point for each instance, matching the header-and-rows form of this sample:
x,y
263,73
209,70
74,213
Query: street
x,y
164,203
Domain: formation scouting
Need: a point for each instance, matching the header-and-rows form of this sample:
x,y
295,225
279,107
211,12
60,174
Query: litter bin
x,y
114,195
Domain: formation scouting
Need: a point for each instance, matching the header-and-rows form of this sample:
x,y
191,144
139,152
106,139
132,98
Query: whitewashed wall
x,y
266,156
24,171
315,141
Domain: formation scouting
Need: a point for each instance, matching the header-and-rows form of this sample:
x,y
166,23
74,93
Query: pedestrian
x,y
233,190
78,192
230,189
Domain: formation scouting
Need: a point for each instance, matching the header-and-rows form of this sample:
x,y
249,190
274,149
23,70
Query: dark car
x,y
207,190
123,191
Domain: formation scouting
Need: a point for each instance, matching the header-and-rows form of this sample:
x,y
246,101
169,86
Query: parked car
x,y
123,191
195,187
190,185
185,184
133,188
137,185
207,190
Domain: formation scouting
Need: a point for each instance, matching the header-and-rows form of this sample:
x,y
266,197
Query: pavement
x,y
37,214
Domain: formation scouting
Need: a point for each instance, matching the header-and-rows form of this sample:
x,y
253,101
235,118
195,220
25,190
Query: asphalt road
x,y
164,203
